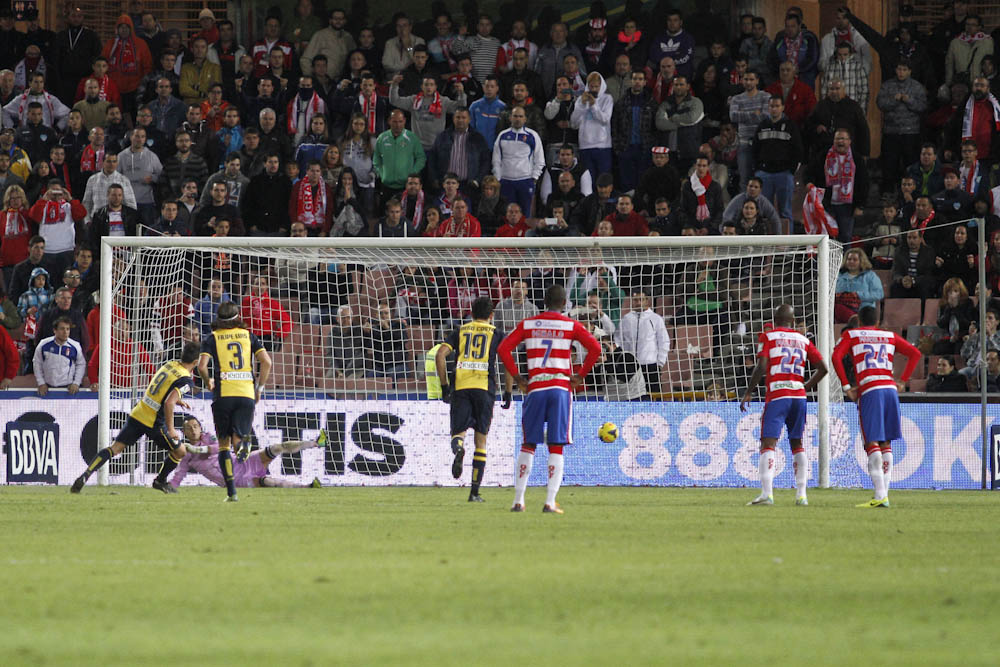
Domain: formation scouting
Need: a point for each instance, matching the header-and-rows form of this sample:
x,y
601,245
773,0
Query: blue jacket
x,y
485,115
477,154
680,47
235,142
808,56
311,148
866,285
205,311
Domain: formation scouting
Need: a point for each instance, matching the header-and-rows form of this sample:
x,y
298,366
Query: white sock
x,y
522,471
875,470
801,466
291,446
555,477
887,468
765,466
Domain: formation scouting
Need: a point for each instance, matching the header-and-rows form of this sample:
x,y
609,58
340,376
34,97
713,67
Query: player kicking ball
x,y
781,363
202,458
153,417
475,387
548,339
872,350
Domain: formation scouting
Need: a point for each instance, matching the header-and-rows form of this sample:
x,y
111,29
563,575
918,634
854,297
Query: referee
x,y
475,387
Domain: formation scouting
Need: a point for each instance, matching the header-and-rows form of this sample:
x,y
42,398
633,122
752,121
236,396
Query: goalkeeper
x,y
153,417
203,452
475,387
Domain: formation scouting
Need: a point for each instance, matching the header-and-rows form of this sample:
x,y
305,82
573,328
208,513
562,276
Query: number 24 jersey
x,y
873,351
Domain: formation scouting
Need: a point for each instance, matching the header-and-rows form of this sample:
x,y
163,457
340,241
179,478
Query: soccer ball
x,y
608,432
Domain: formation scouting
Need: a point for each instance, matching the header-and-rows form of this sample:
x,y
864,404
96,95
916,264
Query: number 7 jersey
x,y
872,351
785,352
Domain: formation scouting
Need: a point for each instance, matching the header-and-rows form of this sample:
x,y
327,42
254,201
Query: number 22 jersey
x,y
872,351
785,351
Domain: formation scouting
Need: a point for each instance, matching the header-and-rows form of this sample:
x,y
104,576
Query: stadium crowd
x,y
484,127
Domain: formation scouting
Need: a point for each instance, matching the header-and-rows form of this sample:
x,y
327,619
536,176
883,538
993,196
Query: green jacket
x,y
396,158
611,298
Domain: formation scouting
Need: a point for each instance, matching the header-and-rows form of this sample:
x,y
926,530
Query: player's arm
x,y
508,389
758,374
441,363
593,352
842,347
506,353
206,380
173,398
912,354
816,359
263,370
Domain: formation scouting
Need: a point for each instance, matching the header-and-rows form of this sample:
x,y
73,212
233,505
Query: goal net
x,y
352,327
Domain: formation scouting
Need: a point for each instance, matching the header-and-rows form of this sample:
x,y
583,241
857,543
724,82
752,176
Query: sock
x,y
521,474
555,477
478,466
289,447
765,467
456,442
801,467
875,470
226,466
887,467
102,457
169,463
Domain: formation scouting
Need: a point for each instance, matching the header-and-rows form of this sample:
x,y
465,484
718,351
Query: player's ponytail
x,y
228,317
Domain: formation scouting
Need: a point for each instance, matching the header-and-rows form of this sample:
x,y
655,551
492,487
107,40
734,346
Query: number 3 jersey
x,y
232,352
872,351
475,344
785,351
168,377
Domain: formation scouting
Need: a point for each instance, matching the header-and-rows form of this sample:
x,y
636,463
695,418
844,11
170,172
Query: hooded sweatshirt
x,y
129,58
135,167
594,120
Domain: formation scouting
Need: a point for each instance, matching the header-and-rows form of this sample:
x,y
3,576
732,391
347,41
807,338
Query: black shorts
x,y
233,415
134,429
471,408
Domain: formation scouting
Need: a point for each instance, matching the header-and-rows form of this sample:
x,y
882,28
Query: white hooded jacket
x,y
594,120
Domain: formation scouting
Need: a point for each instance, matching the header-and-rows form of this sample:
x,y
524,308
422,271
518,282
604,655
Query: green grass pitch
x,y
404,576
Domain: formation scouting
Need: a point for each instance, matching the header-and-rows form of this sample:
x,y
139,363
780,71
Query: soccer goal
x,y
352,327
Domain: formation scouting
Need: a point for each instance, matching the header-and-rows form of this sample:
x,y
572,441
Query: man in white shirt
x,y
643,334
95,197
59,360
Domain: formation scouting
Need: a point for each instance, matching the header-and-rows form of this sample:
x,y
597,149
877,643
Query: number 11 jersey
x,y
785,351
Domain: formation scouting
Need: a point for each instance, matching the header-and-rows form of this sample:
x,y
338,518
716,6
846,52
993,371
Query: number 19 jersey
x,y
232,352
785,351
476,344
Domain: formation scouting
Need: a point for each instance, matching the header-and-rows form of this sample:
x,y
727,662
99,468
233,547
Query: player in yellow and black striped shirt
x,y
153,417
475,387
232,350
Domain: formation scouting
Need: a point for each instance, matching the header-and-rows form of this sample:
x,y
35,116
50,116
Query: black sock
x,y
169,463
478,467
226,466
457,441
102,457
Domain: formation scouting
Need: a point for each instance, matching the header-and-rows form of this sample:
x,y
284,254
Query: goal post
x,y
714,294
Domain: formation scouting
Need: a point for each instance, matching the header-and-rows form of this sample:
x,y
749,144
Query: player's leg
x,y
796,425
279,483
482,418
460,414
102,457
522,471
871,417
771,422
533,431
175,453
559,418
478,466
886,449
223,414
893,430
254,472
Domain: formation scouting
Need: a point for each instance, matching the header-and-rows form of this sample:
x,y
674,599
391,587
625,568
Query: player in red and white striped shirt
x,y
872,350
781,362
548,339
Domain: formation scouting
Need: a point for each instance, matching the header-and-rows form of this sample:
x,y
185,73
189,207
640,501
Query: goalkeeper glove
x,y
197,449
507,398
446,393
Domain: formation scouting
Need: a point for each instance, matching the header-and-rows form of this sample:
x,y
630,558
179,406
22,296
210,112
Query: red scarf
x,y
735,77
91,160
970,177
625,39
102,93
312,108
700,188
594,51
368,107
658,88
435,107
842,37
814,217
839,170
792,47
64,176
511,46
418,209
922,224
15,223
971,39
122,58
311,212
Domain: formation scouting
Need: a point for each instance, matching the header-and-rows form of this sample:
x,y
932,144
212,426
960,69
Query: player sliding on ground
x,y
872,350
781,362
548,340
232,350
203,452
153,417
475,387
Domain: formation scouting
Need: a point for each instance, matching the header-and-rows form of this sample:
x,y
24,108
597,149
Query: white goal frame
x,y
821,244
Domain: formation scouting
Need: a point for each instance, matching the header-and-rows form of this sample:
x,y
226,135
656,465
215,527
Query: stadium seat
x,y
283,375
418,387
837,330
918,386
930,312
678,372
685,339
885,275
355,386
897,314
380,284
899,363
932,360
307,339
23,382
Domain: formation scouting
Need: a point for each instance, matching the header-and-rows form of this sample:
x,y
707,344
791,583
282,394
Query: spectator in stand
x,y
213,110
857,286
972,172
62,307
333,42
797,45
168,111
265,317
955,313
958,258
429,108
398,52
701,198
10,359
844,176
413,198
349,215
218,208
187,204
592,118
198,74
966,51
348,346
146,92
973,353
976,119
551,57
521,71
236,183
595,207
460,151
73,51
485,112
183,164
461,224
169,222
32,303
902,100
926,172
557,222
777,152
842,33
21,276
676,43
398,153
846,66
756,47
834,111
518,160
129,60
643,333
126,355
747,110
387,346
625,220
515,225
662,82
59,360
114,218
953,203
886,233
679,118
914,269
896,45
621,80
765,208
373,107
93,109
18,229
60,223
439,47
666,222
800,100
142,168
394,225
947,379
660,180
483,47
313,144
